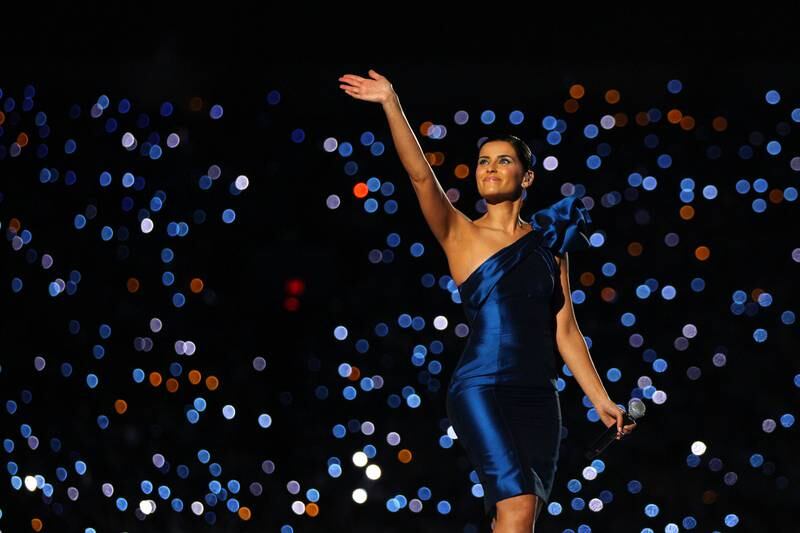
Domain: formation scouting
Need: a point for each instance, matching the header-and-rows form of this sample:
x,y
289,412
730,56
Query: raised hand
x,y
376,88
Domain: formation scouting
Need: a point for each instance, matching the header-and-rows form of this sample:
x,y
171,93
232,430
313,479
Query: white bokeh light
x,y
360,459
359,495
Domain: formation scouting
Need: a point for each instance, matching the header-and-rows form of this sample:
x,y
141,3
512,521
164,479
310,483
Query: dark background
x,y
500,57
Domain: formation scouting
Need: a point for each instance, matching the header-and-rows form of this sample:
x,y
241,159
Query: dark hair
x,y
523,150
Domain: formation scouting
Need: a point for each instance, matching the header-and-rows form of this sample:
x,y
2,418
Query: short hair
x,y
523,151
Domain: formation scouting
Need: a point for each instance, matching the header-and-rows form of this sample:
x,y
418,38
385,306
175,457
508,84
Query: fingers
x,y
622,429
626,430
352,93
352,90
351,84
352,78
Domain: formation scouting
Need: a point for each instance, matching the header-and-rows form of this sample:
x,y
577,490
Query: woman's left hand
x,y
611,414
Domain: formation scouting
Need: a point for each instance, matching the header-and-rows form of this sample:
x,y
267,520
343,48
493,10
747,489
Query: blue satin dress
x,y
502,399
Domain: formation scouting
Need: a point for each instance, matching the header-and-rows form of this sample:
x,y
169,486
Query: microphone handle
x,y
607,437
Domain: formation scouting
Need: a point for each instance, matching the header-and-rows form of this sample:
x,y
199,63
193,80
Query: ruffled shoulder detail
x,y
564,225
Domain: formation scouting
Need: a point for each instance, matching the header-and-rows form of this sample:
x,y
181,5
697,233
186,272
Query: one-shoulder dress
x,y
502,399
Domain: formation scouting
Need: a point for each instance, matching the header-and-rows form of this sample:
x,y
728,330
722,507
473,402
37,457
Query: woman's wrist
x,y
391,100
599,398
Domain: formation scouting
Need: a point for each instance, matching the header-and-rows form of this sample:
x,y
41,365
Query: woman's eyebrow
x,y
501,155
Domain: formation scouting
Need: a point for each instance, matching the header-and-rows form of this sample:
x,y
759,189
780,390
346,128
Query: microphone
x,y
636,409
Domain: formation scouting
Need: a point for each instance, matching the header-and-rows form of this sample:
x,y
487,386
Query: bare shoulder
x,y
469,245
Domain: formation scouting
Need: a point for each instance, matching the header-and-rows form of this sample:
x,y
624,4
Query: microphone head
x,y
636,408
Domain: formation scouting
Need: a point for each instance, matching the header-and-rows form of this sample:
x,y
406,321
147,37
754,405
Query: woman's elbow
x,y
567,335
565,329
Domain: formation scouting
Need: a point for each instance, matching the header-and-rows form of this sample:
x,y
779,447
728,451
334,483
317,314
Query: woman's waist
x,y
539,383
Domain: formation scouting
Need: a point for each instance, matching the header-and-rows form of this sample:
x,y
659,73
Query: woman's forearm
x,y
409,150
575,354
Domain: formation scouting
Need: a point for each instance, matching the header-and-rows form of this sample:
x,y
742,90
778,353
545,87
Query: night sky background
x,y
218,289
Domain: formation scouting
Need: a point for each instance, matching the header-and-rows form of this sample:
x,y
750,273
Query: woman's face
x,y
500,173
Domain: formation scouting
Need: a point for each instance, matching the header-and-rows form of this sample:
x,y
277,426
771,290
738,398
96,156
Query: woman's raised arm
x,y
442,217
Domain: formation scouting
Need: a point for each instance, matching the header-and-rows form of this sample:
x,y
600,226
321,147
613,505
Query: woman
x,y
513,278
